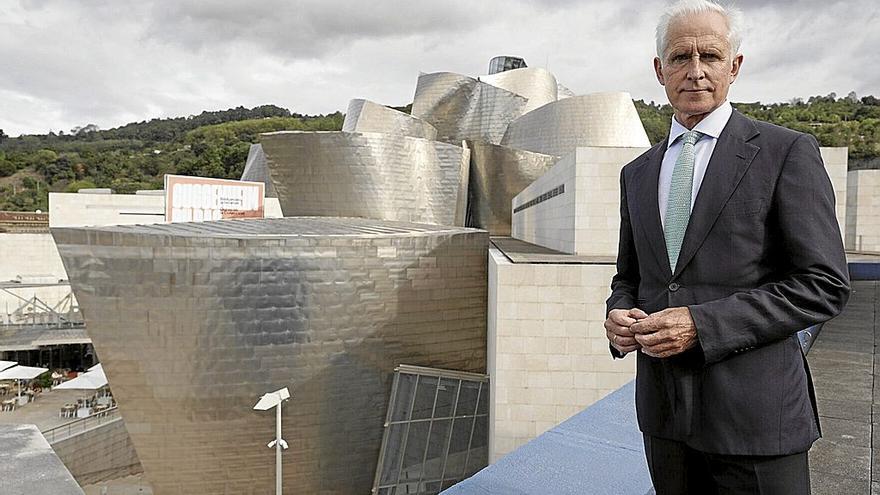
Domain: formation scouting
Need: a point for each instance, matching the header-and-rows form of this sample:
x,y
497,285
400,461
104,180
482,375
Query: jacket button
x,y
673,287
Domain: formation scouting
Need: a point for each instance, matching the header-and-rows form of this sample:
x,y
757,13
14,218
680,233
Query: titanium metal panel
x,y
366,116
599,119
368,175
498,174
255,169
193,322
563,92
537,85
461,107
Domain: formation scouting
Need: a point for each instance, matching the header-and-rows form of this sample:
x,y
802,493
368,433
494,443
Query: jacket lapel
x,y
648,209
730,161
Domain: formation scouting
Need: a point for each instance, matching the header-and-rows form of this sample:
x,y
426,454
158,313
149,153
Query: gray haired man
x,y
729,245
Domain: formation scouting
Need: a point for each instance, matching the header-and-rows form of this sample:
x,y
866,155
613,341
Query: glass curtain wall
x,y
436,431
505,63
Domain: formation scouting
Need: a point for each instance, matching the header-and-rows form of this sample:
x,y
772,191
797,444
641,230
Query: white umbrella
x,y
6,364
93,379
90,380
21,373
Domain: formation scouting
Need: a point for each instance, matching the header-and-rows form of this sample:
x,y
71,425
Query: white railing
x,y
81,425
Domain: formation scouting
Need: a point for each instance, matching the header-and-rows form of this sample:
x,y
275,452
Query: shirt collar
x,y
712,125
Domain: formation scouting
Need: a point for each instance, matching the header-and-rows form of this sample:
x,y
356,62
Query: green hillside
x,y
138,155
847,121
215,144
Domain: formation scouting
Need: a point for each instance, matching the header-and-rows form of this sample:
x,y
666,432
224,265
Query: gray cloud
x,y
308,28
112,62
800,52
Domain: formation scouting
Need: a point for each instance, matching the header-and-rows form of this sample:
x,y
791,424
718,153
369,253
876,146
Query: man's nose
x,y
695,70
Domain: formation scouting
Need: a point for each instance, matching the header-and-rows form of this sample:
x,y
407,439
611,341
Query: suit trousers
x,y
677,469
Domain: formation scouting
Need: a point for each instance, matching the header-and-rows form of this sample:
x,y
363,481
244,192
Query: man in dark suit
x,y
729,245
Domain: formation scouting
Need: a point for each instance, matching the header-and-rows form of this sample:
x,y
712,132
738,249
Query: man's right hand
x,y
617,328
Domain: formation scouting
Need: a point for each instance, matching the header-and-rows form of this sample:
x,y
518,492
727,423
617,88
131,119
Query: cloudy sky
x,y
70,63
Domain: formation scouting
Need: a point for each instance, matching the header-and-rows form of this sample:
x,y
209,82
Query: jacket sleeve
x,y
625,283
815,284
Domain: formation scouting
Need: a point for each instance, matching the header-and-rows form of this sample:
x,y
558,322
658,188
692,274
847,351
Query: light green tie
x,y
678,207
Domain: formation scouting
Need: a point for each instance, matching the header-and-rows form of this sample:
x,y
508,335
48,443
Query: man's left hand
x,y
666,333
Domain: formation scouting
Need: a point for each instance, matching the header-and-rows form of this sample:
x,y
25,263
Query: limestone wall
x,y
574,206
81,209
34,258
102,453
836,163
863,210
548,355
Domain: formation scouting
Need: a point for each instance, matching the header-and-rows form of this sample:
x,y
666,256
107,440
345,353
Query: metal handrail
x,y
80,425
66,324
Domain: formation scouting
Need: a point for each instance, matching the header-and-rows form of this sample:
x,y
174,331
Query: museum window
x,y
505,63
436,431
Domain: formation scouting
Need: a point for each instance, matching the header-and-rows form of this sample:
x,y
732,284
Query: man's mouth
x,y
706,90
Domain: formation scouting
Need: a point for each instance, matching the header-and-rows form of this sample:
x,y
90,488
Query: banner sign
x,y
24,222
197,199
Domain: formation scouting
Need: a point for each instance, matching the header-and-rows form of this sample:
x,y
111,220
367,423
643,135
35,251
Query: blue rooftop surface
x,y
864,269
597,451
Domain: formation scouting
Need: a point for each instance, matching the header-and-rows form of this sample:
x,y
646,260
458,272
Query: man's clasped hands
x,y
661,334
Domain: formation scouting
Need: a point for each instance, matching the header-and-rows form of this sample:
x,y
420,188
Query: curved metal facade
x,y
599,119
255,170
366,116
533,83
462,107
193,322
498,174
368,175
563,92
436,88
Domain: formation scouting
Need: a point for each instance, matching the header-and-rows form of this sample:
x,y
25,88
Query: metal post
x,y
268,401
278,449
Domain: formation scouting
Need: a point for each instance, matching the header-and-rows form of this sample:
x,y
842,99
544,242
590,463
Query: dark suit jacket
x,y
762,258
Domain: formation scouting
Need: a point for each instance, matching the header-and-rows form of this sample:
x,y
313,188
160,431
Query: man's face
x,y
697,67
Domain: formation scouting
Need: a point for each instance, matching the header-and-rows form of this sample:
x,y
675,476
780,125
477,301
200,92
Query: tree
x,y
3,136
80,184
7,168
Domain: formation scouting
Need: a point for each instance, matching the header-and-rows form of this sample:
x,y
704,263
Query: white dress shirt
x,y
711,126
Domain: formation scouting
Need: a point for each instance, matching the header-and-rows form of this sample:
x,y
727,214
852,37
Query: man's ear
x,y
734,68
658,70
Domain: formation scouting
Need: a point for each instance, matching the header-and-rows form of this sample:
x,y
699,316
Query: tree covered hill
x,y
847,121
138,155
215,144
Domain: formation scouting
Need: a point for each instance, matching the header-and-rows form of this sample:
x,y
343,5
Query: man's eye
x,y
710,56
680,58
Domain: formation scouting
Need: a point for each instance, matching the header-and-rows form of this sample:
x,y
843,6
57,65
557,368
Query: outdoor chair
x,y
68,411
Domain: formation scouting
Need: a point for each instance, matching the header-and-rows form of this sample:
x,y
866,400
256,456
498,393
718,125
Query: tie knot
x,y
691,137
